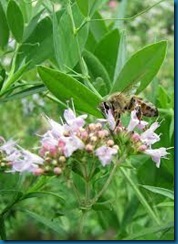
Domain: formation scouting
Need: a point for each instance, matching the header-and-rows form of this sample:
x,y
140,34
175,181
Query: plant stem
x,y
140,196
129,18
107,182
83,67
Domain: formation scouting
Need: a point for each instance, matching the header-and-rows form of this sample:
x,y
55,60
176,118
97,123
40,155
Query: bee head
x,y
104,107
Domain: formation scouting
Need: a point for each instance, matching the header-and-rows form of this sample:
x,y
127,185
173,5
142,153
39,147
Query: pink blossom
x,y
73,122
135,122
8,147
105,154
70,144
149,137
156,154
110,119
23,160
57,129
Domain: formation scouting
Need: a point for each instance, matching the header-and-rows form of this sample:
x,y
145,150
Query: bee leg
x,y
139,112
132,103
117,118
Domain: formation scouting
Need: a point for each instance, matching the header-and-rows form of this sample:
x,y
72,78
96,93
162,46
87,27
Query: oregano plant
x,y
93,172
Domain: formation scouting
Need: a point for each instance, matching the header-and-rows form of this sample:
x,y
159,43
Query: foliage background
x,y
21,118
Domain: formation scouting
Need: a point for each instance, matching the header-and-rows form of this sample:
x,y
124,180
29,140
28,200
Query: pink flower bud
x,y
92,127
89,148
84,135
57,171
101,134
98,126
110,143
38,171
93,139
106,132
135,137
142,148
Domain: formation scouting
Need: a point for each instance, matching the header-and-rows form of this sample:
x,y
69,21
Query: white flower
x,y
8,147
26,161
57,129
73,122
149,137
135,122
70,144
110,119
105,154
156,154
22,160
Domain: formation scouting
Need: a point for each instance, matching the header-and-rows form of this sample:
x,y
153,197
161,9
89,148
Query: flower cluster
x,y
16,159
143,141
73,138
61,141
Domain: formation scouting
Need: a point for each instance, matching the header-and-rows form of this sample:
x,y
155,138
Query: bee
x,y
120,102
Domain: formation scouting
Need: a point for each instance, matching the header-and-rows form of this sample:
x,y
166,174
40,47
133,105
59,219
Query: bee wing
x,y
131,89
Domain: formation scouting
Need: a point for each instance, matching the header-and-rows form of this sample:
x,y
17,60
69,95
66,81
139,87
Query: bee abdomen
x,y
149,111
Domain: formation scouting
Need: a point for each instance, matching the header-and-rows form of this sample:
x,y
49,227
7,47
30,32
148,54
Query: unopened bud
x,y
106,132
110,143
92,127
142,148
84,135
98,126
47,168
101,134
89,148
62,159
93,139
57,171
116,147
66,133
38,171
135,137
54,162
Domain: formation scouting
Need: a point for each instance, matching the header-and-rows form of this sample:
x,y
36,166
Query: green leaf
x,y
32,25
98,28
64,87
88,7
15,20
83,6
39,45
163,97
165,204
158,190
121,10
151,230
109,58
121,55
139,195
141,67
96,70
14,77
102,206
48,223
24,93
2,228
56,40
42,194
26,8
94,5
4,30
68,44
